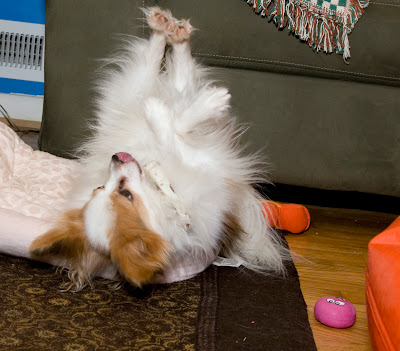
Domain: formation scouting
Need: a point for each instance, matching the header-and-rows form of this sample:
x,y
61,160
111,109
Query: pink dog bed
x,y
33,185
33,188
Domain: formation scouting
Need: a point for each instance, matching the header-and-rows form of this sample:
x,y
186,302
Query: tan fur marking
x,y
137,251
67,239
232,231
68,244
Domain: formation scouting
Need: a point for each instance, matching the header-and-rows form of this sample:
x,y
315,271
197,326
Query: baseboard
x,y
331,198
23,124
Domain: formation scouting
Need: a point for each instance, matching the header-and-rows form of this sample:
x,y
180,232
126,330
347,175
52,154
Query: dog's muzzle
x,y
124,157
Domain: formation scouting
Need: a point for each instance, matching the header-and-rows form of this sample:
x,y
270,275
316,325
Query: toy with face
x,y
335,312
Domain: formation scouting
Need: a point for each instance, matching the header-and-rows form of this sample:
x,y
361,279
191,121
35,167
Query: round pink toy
x,y
335,312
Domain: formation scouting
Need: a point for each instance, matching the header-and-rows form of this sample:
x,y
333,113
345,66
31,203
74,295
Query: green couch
x,y
322,123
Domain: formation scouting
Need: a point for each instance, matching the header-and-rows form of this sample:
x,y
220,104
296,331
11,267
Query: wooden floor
x,y
336,244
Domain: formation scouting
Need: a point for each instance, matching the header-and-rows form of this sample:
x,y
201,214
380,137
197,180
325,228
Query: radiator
x,y
22,51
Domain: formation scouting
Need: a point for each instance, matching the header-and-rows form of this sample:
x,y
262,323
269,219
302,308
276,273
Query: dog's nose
x,y
116,159
124,157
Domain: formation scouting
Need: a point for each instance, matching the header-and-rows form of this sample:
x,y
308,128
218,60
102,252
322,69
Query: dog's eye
x,y
100,187
127,194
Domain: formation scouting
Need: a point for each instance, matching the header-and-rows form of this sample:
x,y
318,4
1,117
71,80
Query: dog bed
x,y
33,185
383,288
33,188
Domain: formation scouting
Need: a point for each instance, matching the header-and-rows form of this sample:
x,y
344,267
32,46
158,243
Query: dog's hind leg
x,y
177,33
145,63
181,65
153,53
207,102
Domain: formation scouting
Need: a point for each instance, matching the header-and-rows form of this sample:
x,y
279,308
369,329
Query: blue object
x,y
31,11
16,86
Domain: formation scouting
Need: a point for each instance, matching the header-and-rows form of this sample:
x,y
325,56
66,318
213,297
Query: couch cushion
x,y
232,35
321,133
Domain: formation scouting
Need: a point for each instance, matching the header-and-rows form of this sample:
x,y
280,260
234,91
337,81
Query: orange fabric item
x,y
290,217
383,289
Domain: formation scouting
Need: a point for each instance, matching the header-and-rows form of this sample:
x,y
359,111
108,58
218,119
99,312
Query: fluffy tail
x,y
258,245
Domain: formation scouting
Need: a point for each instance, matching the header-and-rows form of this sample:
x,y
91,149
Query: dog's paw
x,y
216,100
180,32
177,31
160,20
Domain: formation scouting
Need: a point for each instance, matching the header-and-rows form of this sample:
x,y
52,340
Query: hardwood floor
x,y
336,246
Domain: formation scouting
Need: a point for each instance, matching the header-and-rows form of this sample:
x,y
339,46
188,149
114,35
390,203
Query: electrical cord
x,y
13,125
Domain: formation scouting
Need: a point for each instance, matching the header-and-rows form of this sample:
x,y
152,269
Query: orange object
x,y
290,217
383,288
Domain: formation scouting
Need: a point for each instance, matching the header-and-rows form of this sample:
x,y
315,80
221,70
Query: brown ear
x,y
139,256
67,240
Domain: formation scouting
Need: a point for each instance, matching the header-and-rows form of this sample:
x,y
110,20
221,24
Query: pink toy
x,y
335,312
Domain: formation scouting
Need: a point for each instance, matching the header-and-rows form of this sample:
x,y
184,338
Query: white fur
x,y
177,117
98,219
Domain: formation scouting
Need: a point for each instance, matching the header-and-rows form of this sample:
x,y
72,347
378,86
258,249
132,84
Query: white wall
x,y
24,107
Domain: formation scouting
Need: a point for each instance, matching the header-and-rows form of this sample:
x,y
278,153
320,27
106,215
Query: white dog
x,y
178,186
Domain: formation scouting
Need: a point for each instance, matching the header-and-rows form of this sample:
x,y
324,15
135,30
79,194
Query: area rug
x,y
221,309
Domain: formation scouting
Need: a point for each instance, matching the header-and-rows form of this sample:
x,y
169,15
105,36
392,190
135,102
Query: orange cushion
x,y
383,288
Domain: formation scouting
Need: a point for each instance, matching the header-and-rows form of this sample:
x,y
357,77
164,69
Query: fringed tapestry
x,y
323,24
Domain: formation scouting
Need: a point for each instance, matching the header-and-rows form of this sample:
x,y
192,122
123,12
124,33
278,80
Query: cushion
x,y
383,288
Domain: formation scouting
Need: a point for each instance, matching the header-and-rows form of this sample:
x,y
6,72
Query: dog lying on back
x,y
178,184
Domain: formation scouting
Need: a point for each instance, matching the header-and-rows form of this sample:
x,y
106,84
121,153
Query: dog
x,y
179,184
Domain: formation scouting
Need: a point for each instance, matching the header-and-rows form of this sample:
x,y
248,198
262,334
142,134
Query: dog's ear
x,y
66,240
140,255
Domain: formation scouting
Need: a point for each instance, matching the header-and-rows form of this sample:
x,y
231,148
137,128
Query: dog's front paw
x,y
216,100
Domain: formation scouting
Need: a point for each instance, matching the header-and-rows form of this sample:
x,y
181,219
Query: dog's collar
x,y
156,173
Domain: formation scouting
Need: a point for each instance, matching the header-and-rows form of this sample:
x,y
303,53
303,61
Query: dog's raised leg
x,y
158,115
209,101
149,54
182,65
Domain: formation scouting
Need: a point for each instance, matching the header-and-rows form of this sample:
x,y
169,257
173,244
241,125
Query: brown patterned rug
x,y
221,309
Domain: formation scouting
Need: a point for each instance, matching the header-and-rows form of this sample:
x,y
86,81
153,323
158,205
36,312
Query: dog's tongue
x,y
125,157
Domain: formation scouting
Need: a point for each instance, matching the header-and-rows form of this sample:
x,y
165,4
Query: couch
x,y
322,123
